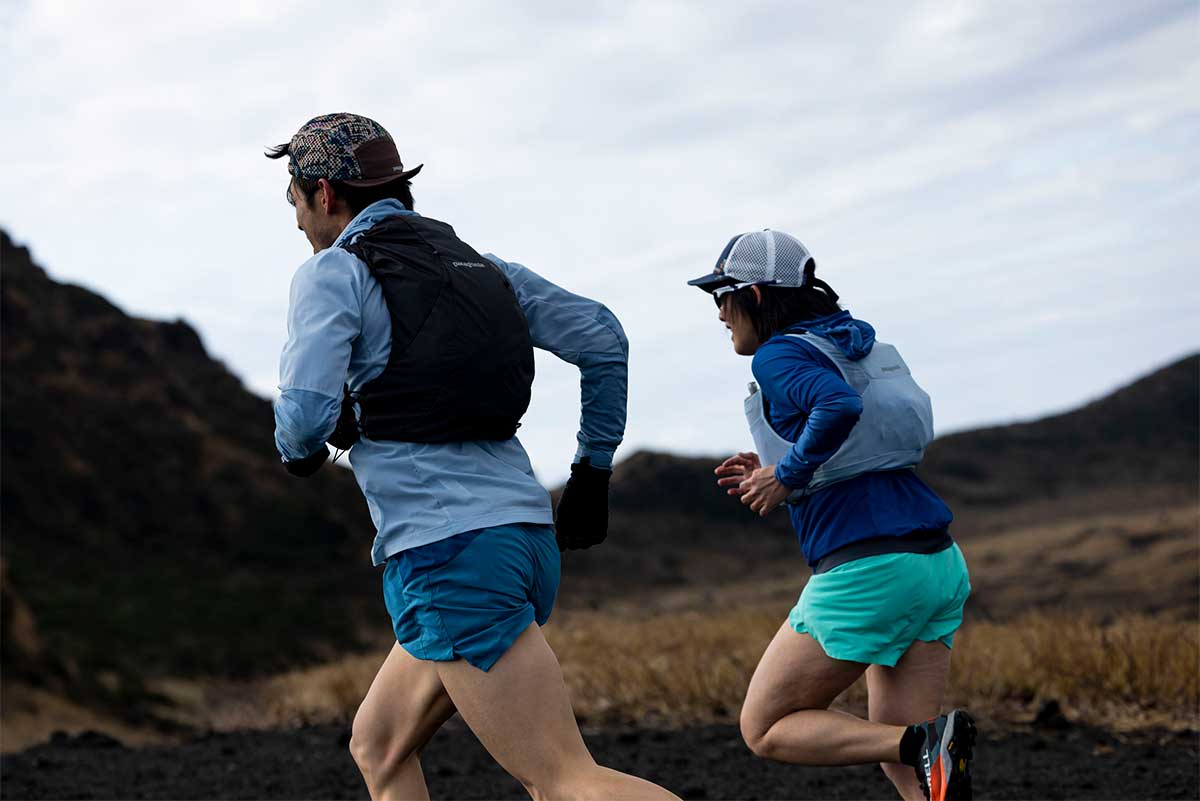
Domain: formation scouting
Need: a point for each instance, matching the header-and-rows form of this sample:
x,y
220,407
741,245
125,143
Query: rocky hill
x,y
148,525
1142,436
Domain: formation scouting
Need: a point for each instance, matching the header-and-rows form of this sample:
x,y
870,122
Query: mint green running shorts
x,y
872,609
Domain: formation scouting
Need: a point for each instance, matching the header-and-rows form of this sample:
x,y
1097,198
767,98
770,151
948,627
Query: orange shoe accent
x,y
937,783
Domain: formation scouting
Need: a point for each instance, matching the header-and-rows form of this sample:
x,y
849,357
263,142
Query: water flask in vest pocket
x,y
769,446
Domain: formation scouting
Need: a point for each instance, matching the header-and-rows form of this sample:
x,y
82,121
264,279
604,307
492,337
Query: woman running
x,y
838,424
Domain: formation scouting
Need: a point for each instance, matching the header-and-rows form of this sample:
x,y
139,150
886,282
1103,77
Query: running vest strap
x,y
461,361
895,427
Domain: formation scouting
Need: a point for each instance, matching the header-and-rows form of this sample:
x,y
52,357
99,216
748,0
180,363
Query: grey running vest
x,y
895,427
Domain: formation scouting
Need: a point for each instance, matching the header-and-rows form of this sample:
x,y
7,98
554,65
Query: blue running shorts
x,y
471,595
872,609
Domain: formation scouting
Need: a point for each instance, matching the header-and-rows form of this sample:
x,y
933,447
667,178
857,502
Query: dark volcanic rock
x,y
707,762
1050,716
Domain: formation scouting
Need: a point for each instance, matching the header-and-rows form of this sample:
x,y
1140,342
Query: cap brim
x,y
712,281
386,179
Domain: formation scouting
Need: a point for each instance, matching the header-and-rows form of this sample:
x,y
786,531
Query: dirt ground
x,y
700,763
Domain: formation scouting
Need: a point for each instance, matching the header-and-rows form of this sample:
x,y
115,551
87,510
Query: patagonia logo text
x,y
468,264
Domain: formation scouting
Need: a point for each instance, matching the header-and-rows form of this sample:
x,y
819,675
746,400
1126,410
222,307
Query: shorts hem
x,y
488,660
888,657
483,661
412,649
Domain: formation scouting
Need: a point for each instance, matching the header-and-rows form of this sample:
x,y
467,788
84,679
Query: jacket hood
x,y
854,338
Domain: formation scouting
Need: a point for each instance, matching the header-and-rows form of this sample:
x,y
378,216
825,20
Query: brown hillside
x,y
1144,435
148,525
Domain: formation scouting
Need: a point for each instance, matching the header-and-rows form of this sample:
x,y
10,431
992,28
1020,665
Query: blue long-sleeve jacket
x,y
810,405
339,331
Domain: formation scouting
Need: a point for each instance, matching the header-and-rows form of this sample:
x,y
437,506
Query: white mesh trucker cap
x,y
763,257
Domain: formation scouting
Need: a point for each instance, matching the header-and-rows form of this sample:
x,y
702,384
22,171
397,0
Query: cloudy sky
x,y
1003,189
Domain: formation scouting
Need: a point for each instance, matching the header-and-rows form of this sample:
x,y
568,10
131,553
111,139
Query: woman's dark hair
x,y
783,307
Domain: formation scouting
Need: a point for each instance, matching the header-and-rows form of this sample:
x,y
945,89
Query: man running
x,y
411,347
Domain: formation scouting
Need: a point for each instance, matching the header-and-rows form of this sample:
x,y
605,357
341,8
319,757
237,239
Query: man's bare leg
x,y
404,708
521,713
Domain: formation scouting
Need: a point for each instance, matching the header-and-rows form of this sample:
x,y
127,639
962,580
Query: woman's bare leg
x,y
404,708
521,713
786,715
910,692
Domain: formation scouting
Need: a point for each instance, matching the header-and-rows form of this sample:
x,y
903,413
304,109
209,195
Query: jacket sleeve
x,y
586,334
811,383
324,319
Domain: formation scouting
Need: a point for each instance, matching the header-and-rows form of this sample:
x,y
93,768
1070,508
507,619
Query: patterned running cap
x,y
763,257
344,147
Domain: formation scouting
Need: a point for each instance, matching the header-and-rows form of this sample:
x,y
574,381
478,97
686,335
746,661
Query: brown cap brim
x,y
400,176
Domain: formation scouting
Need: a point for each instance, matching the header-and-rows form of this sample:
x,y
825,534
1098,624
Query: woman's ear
x,y
757,295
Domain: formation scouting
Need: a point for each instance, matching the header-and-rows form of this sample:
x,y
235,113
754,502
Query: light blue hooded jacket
x,y
339,331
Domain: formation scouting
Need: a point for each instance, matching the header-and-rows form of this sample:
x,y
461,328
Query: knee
x,y
756,734
761,744
377,750
369,753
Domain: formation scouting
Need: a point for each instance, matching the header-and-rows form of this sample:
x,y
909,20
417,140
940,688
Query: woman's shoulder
x,y
788,351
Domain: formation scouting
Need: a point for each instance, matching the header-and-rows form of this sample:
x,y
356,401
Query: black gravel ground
x,y
700,763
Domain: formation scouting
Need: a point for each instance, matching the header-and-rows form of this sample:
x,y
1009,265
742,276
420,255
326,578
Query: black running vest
x,y
461,363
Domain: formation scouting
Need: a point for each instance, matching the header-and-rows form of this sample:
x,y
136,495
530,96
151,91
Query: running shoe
x,y
945,772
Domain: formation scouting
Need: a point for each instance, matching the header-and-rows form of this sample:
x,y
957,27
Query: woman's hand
x,y
732,471
761,491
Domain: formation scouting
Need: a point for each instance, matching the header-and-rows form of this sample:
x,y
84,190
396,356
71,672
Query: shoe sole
x,y
958,754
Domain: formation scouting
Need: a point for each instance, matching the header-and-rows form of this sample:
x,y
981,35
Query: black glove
x,y
345,433
309,464
582,519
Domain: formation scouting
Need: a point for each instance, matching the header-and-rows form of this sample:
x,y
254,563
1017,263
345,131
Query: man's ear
x,y
757,295
325,197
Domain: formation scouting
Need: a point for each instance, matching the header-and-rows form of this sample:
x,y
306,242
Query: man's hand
x,y
732,471
582,519
345,432
761,491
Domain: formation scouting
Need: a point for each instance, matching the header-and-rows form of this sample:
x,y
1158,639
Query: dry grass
x,y
1136,672
677,668
691,667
